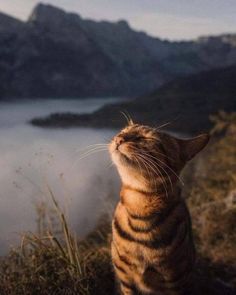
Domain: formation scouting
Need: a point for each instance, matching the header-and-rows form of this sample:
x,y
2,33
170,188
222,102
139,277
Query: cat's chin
x,y
119,158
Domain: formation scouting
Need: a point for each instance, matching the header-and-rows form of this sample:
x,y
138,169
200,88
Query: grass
x,y
211,196
55,261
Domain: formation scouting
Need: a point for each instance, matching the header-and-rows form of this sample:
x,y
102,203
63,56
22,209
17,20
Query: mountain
x,y
9,24
185,102
60,54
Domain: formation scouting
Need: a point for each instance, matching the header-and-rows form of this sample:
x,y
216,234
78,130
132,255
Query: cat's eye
x,y
138,138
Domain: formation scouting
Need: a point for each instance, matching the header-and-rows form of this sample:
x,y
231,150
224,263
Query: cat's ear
x,y
192,146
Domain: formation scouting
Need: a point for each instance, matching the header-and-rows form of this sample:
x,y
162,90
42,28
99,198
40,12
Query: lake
x,y
33,159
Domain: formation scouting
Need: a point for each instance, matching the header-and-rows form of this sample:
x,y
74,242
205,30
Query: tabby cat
x,y
152,246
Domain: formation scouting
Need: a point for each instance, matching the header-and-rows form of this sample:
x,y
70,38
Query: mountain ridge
x,y
8,22
186,102
60,54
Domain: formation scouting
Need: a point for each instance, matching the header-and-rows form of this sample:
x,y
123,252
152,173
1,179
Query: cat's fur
x,y
152,246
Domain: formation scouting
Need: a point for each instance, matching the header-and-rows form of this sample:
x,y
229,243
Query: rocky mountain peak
x,y
44,13
123,23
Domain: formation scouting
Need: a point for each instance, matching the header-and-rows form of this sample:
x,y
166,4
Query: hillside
x,y
187,102
60,54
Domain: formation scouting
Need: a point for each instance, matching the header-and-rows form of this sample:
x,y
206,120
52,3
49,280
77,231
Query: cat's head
x,y
144,156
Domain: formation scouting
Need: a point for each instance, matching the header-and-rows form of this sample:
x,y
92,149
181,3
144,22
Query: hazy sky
x,y
173,19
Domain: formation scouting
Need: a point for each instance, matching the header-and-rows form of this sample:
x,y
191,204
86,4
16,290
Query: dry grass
x,y
211,195
53,261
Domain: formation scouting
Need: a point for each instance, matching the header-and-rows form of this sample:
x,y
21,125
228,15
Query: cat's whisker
x,y
156,166
145,165
167,166
140,169
110,165
127,117
161,154
91,153
163,181
148,171
159,174
162,177
86,155
92,145
151,164
106,139
94,148
167,174
163,125
155,170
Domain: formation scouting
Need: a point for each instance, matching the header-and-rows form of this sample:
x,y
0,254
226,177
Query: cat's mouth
x,y
121,153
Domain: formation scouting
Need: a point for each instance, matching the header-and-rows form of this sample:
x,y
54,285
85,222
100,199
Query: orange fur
x,y
152,247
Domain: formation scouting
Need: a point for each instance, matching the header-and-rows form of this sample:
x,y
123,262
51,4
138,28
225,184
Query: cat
x,y
152,246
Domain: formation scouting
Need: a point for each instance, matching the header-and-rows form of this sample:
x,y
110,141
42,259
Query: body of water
x,y
33,159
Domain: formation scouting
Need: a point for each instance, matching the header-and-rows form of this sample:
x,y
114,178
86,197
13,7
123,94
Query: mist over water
x,y
33,159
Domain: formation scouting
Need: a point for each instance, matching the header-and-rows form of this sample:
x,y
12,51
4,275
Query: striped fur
x,y
152,246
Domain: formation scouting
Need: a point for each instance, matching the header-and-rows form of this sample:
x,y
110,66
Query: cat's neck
x,y
141,202
132,178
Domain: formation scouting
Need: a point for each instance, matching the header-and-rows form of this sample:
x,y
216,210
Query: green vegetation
x,y
54,261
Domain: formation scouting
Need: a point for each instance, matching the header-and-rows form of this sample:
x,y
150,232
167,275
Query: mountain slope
x,y
8,23
60,54
186,102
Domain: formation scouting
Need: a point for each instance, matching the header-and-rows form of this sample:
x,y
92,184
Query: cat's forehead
x,y
139,130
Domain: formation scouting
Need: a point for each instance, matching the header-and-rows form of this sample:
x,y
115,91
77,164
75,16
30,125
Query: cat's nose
x,y
119,140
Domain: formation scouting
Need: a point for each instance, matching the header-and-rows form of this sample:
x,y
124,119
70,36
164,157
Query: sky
x,y
168,19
